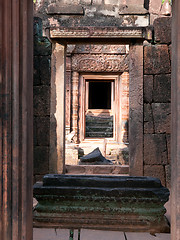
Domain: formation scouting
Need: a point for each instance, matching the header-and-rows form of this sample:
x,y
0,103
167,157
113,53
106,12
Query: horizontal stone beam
x,y
101,202
101,32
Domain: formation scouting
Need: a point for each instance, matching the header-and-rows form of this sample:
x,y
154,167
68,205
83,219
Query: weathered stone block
x,y
155,149
69,9
101,202
162,117
96,2
162,88
42,126
156,59
148,88
34,132
41,101
36,75
168,176
111,2
162,29
148,119
168,138
155,171
86,2
41,160
45,70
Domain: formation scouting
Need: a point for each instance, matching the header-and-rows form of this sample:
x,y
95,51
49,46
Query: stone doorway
x,y
57,124
97,101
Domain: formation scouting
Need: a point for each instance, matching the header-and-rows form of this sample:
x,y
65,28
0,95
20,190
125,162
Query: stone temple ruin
x,y
145,28
101,81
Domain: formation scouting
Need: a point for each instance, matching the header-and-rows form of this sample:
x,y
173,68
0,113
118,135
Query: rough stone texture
x,y
155,171
168,176
156,59
92,169
41,160
148,119
162,117
41,127
36,74
162,88
101,202
162,30
155,149
45,69
148,88
168,138
41,100
136,110
42,76
56,8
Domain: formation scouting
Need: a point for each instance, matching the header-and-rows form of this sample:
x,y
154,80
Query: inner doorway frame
x,y
115,108
60,38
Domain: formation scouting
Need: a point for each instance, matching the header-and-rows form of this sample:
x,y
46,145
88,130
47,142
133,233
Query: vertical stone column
x,y
57,111
16,121
75,83
136,109
175,124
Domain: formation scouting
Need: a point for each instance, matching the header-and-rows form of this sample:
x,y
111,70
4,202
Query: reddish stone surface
x,y
162,88
168,138
148,119
155,171
162,29
156,59
148,88
162,117
168,176
155,149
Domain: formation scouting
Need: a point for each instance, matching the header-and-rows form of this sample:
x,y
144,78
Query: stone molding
x,y
100,63
95,32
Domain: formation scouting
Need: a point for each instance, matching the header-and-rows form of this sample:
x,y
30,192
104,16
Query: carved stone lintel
x,y
95,32
100,63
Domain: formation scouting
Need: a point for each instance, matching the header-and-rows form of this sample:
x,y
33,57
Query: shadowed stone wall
x,y
157,98
42,78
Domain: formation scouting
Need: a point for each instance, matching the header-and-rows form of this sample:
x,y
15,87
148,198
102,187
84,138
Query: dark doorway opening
x,y
99,95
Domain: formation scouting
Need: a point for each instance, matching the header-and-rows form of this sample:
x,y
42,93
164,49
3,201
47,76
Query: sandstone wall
x,y
157,98
42,78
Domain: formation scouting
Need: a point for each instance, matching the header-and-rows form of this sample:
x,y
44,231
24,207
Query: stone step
x,y
99,128
99,134
99,120
92,169
120,203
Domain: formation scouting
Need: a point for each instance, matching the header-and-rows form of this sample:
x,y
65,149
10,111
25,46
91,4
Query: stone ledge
x,y
100,32
101,202
84,169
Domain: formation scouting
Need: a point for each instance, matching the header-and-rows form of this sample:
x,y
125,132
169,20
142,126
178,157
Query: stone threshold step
x,y
97,169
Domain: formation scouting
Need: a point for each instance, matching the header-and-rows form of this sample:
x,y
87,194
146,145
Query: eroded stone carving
x,y
100,63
